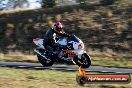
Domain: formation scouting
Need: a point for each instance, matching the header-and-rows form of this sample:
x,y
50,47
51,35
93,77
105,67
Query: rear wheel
x,y
44,62
84,61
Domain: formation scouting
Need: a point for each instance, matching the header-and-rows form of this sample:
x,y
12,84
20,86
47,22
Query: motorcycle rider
x,y
53,34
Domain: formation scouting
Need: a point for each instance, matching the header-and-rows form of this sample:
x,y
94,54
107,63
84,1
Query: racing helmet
x,y
58,27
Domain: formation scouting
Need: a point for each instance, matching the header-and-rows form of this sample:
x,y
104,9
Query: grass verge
x,y
111,59
18,57
23,78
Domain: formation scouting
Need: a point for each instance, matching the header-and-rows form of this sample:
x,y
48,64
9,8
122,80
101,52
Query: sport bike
x,y
72,52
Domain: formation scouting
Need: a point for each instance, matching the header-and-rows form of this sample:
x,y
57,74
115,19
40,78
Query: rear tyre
x,y
84,61
45,63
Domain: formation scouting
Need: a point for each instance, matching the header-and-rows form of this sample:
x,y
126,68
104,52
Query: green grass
x,y
111,59
22,78
18,58
110,62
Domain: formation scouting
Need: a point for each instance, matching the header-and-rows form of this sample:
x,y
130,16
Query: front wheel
x,y
84,61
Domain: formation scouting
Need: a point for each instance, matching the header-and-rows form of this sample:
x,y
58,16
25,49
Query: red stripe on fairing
x,y
80,46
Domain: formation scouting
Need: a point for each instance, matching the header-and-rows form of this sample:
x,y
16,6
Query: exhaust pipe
x,y
38,53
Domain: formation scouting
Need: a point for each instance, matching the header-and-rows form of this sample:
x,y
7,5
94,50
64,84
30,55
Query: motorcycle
x,y
73,53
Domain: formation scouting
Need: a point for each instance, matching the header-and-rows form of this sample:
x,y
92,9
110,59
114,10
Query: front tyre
x,y
84,61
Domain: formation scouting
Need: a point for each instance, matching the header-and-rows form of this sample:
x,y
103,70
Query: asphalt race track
x,y
38,66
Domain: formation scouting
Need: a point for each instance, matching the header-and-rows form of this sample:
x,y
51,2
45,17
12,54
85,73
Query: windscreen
x,y
73,38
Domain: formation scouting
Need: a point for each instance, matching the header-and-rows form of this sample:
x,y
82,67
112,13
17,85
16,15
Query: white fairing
x,y
77,50
62,41
39,42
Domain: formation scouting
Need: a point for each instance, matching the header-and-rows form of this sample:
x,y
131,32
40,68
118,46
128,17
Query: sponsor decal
x,y
83,78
